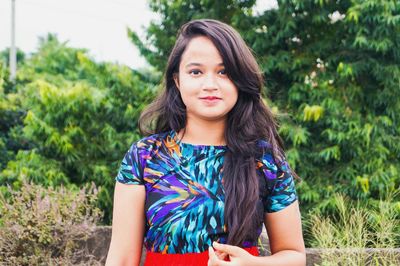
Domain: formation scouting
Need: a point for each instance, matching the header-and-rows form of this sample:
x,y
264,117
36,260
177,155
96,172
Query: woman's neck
x,y
202,132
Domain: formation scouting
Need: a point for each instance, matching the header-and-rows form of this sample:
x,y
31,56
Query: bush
x,y
69,119
41,226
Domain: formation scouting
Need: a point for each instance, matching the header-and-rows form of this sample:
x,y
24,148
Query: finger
x,y
211,253
221,255
212,257
230,250
213,260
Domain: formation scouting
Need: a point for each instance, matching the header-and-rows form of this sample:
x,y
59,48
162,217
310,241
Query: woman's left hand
x,y
237,255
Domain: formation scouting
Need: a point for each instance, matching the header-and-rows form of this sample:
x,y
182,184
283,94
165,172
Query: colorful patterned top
x,y
184,193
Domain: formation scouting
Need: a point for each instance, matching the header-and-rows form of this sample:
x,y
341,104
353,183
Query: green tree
x,y
11,116
334,66
80,117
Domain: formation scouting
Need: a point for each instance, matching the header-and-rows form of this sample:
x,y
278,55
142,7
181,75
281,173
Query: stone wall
x,y
97,247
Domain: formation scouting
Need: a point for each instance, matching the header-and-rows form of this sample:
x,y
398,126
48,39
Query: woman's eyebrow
x,y
193,64
199,64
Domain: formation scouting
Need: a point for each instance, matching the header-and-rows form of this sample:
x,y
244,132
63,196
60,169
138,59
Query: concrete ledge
x,y
96,247
369,256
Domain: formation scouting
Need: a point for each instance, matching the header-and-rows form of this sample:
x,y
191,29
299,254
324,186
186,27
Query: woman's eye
x,y
222,72
195,72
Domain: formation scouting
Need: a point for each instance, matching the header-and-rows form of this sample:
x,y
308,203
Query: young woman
x,y
212,170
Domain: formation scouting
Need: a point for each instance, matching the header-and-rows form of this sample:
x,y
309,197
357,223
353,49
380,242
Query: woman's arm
x,y
285,237
127,226
286,242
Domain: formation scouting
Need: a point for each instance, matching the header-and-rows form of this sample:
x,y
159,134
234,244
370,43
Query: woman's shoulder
x,y
265,154
264,150
147,146
151,141
267,157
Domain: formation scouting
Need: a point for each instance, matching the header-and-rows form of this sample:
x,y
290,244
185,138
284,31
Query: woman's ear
x,y
176,79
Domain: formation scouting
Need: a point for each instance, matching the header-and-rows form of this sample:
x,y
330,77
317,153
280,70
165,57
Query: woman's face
x,y
205,88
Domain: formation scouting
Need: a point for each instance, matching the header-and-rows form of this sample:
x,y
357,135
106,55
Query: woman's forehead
x,y
201,51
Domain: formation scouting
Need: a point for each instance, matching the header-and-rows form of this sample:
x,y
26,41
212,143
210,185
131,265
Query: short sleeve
x,y
279,184
130,170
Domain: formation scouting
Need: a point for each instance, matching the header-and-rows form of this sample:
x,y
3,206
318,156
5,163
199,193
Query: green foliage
x,y
75,117
11,116
29,165
41,226
5,56
342,91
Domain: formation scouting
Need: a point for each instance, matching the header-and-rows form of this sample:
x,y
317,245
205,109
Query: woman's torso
x,y
184,192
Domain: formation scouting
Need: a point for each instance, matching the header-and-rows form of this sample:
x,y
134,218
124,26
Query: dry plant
x,y
348,238
41,226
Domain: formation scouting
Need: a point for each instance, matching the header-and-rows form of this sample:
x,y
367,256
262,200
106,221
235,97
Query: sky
x,y
97,25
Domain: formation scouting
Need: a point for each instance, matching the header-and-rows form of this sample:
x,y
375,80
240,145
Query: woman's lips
x,y
210,99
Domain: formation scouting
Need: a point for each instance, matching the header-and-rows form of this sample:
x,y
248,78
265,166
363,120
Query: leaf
x,y
330,153
314,112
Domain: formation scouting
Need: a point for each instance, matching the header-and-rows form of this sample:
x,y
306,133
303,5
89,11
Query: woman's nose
x,y
210,83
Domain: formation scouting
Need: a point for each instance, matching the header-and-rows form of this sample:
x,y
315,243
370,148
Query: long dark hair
x,y
250,120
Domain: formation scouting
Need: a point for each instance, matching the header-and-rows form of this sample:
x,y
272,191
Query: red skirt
x,y
188,259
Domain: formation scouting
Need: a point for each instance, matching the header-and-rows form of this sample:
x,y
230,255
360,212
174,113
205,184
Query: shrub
x,y
41,226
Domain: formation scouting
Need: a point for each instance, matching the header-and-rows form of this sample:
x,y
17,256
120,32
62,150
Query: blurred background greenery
x,y
332,71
